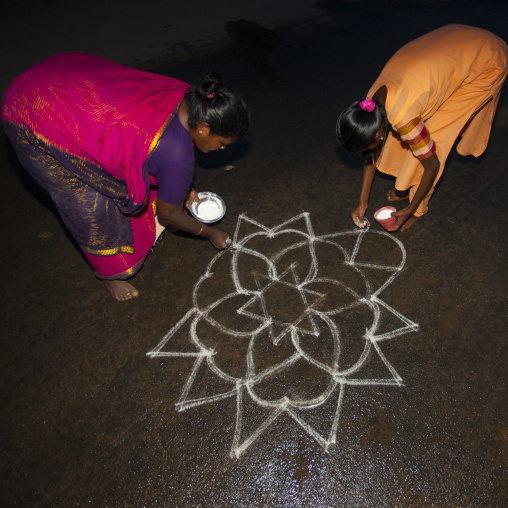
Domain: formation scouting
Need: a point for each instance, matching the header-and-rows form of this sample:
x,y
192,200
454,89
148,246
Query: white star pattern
x,y
304,315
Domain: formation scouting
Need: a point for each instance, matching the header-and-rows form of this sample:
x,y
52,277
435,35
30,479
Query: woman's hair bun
x,y
224,111
210,83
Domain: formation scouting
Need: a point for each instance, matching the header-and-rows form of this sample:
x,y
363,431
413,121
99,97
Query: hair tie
x,y
368,104
211,95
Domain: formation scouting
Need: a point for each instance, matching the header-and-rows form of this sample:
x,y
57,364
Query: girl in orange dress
x,y
440,86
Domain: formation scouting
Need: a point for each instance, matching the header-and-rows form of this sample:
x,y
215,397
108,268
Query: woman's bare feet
x,y
121,290
397,195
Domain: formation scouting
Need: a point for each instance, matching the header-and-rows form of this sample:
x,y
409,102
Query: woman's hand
x,y
192,196
219,239
358,216
171,215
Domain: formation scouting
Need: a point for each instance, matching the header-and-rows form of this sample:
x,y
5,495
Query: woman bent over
x,y
113,147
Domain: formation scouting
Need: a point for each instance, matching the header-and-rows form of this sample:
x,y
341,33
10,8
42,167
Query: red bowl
x,y
389,222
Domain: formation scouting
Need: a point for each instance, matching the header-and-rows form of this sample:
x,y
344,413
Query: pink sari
x,y
84,128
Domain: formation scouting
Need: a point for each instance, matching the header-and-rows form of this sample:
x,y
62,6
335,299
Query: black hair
x,y
357,128
224,111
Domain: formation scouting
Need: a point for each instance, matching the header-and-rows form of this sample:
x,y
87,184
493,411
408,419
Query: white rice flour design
x,y
284,321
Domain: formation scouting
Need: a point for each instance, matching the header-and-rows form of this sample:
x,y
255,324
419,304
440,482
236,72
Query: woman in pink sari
x,y
113,146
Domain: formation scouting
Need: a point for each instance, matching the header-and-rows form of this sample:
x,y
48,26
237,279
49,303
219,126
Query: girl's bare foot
x,y
397,195
121,290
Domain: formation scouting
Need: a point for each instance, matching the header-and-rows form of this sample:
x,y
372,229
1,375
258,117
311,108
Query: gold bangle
x,y
199,232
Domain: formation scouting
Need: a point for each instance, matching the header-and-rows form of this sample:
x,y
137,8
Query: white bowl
x,y
211,208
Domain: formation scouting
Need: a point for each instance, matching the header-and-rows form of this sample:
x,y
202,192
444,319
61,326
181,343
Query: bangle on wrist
x,y
199,232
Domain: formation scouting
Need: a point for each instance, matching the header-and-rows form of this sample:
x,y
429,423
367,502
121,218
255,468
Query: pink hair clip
x,y
210,95
368,104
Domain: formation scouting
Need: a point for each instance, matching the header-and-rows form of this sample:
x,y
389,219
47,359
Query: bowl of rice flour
x,y
211,208
384,217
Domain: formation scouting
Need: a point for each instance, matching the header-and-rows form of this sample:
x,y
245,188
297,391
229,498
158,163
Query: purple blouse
x,y
172,163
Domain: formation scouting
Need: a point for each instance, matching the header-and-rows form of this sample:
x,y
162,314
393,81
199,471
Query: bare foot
x,y
409,222
397,195
121,290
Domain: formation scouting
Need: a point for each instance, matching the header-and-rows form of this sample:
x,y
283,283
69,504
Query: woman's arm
x,y
358,213
172,215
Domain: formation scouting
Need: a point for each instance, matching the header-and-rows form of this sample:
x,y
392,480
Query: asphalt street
x,y
312,364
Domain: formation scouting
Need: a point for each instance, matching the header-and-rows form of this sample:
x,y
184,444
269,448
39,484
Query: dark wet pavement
x,y
242,409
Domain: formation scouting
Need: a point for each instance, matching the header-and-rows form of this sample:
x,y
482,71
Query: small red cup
x,y
389,222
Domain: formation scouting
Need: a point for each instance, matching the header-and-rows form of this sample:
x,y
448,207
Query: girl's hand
x,y
358,216
219,239
402,217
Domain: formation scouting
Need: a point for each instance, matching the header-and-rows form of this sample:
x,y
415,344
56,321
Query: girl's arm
x,y
358,213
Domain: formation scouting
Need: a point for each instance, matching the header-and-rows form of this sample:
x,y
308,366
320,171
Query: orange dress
x,y
451,79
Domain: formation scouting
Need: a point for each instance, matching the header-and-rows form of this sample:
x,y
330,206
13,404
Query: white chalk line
x,y
302,324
